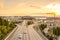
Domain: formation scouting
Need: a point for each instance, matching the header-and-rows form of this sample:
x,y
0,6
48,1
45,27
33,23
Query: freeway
x,y
21,33
33,34
25,33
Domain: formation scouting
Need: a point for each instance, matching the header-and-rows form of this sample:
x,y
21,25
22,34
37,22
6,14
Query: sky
x,y
27,7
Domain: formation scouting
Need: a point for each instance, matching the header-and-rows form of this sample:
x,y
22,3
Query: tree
x,y
56,31
29,22
12,24
42,26
1,35
9,28
3,22
5,27
6,23
4,30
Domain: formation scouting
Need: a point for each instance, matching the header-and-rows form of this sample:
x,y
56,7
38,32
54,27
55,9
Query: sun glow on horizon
x,y
31,9
54,8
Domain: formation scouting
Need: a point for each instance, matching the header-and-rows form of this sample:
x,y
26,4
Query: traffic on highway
x,y
25,33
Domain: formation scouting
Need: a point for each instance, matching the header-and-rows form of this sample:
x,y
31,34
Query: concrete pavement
x,y
21,32
33,34
25,33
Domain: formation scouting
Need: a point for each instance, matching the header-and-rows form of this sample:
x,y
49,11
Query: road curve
x,y
33,34
27,33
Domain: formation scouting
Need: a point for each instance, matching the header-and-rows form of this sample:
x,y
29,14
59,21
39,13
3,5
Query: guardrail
x,y
10,34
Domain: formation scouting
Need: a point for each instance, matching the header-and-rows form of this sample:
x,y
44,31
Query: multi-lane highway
x,y
25,33
21,33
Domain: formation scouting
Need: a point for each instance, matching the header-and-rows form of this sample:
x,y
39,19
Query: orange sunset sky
x,y
29,7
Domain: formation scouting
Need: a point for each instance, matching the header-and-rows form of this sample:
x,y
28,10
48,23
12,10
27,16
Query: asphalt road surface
x,y
25,33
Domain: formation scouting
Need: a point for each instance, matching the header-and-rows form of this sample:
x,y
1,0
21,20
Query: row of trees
x,y
53,32
17,22
5,27
42,27
29,22
56,31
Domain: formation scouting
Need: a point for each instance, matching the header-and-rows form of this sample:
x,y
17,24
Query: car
x,y
25,33
20,36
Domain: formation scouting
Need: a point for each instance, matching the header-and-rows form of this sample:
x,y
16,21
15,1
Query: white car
x,y
20,36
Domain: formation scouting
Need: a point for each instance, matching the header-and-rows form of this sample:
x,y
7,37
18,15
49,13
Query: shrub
x,y
42,26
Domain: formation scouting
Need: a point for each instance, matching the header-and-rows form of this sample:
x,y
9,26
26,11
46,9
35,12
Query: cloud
x,y
1,5
25,9
28,4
